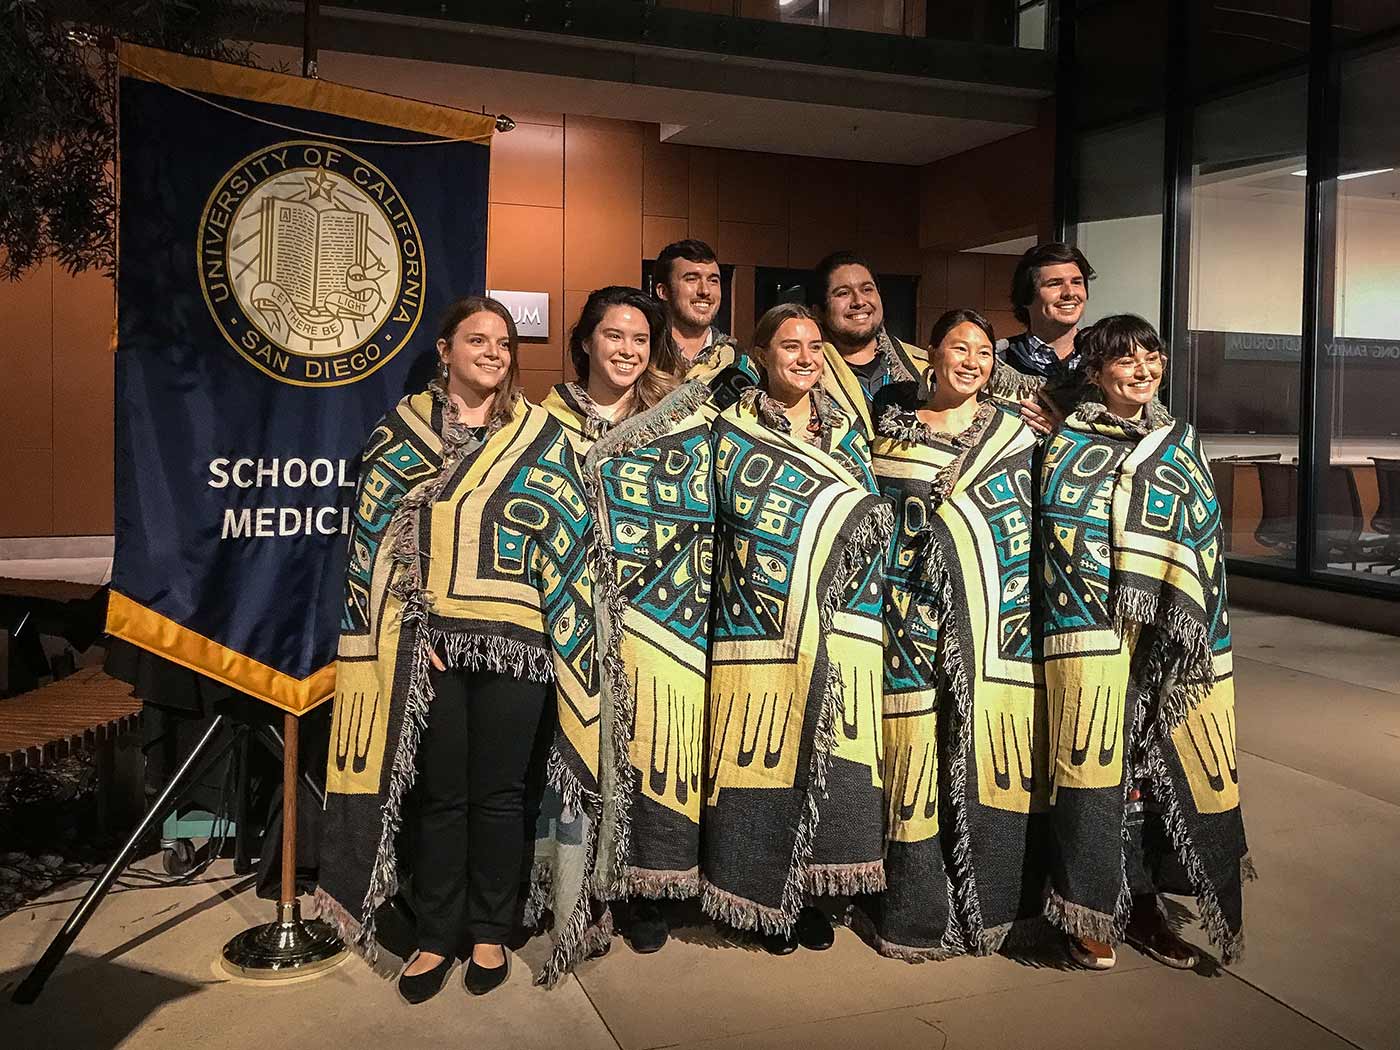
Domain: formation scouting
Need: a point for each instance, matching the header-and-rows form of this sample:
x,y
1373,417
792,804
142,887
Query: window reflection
x,y
1358,512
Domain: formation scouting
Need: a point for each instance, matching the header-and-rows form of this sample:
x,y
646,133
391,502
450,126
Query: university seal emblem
x,y
311,264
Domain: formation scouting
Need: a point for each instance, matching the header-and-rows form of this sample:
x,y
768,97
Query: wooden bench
x,y
87,709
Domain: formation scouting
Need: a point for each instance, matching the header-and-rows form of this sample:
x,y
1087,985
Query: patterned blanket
x,y
904,363
469,547
1139,676
964,715
793,797
725,369
649,481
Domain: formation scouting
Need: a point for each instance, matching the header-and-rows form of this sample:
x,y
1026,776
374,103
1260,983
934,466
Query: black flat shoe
x,y
423,986
780,943
813,930
479,979
648,930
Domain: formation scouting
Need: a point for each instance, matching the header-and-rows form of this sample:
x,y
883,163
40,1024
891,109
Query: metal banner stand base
x,y
291,946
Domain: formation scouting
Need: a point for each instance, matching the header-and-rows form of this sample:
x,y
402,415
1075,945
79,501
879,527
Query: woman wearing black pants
x,y
472,763
466,642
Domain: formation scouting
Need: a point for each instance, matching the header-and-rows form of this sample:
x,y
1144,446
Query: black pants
x,y
472,767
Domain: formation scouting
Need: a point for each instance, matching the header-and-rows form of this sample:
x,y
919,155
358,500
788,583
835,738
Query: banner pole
x,y
290,744
291,946
310,22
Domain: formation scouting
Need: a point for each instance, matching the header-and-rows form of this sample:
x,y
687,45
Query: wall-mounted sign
x,y
1265,346
530,310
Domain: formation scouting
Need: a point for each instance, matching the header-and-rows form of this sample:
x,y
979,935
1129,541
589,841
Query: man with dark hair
x,y
687,281
1048,293
861,357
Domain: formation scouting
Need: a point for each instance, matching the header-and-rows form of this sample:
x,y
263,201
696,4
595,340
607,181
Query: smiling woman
x,y
1136,619
644,441
622,351
961,704
793,804
480,370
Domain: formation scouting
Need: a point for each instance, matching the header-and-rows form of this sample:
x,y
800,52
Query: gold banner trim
x,y
324,96
161,635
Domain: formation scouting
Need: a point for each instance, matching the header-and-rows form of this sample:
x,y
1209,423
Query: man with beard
x,y
861,357
687,281
1048,293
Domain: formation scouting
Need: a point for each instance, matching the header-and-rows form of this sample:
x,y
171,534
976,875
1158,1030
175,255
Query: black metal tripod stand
x,y
223,735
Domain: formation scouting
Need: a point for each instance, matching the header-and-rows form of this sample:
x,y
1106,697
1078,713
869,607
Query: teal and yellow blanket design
x,y
793,796
1138,673
478,548
964,712
904,363
649,480
726,369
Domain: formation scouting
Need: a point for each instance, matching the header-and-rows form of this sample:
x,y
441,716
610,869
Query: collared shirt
x,y
1032,356
873,375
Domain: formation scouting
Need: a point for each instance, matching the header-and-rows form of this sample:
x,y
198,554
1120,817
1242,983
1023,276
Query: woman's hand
x,y
436,661
1041,414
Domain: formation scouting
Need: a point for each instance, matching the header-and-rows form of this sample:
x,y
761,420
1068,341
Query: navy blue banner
x,y
281,274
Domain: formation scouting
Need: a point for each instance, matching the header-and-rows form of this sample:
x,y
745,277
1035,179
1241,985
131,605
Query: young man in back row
x,y
688,283
1048,292
861,356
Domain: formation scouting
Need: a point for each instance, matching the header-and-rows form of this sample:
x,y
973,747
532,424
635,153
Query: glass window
x,y
1358,483
1032,24
1119,224
1245,309
1240,43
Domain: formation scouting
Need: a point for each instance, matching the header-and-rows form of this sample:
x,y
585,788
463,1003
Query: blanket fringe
x,y
740,912
558,776
1230,942
1180,662
479,652
1008,383
866,930
617,805
954,669
845,880
645,428
658,885
1080,921
572,932
383,881
538,900
351,931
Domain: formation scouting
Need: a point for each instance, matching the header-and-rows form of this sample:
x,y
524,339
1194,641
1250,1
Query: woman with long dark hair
x,y
462,618
644,438
793,806
964,724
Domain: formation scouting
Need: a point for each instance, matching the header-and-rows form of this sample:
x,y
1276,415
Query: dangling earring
x,y
444,372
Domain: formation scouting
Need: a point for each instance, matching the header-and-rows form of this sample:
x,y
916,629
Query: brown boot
x,y
1149,932
1091,954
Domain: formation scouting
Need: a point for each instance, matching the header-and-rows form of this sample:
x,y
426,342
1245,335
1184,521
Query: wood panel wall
x,y
575,203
